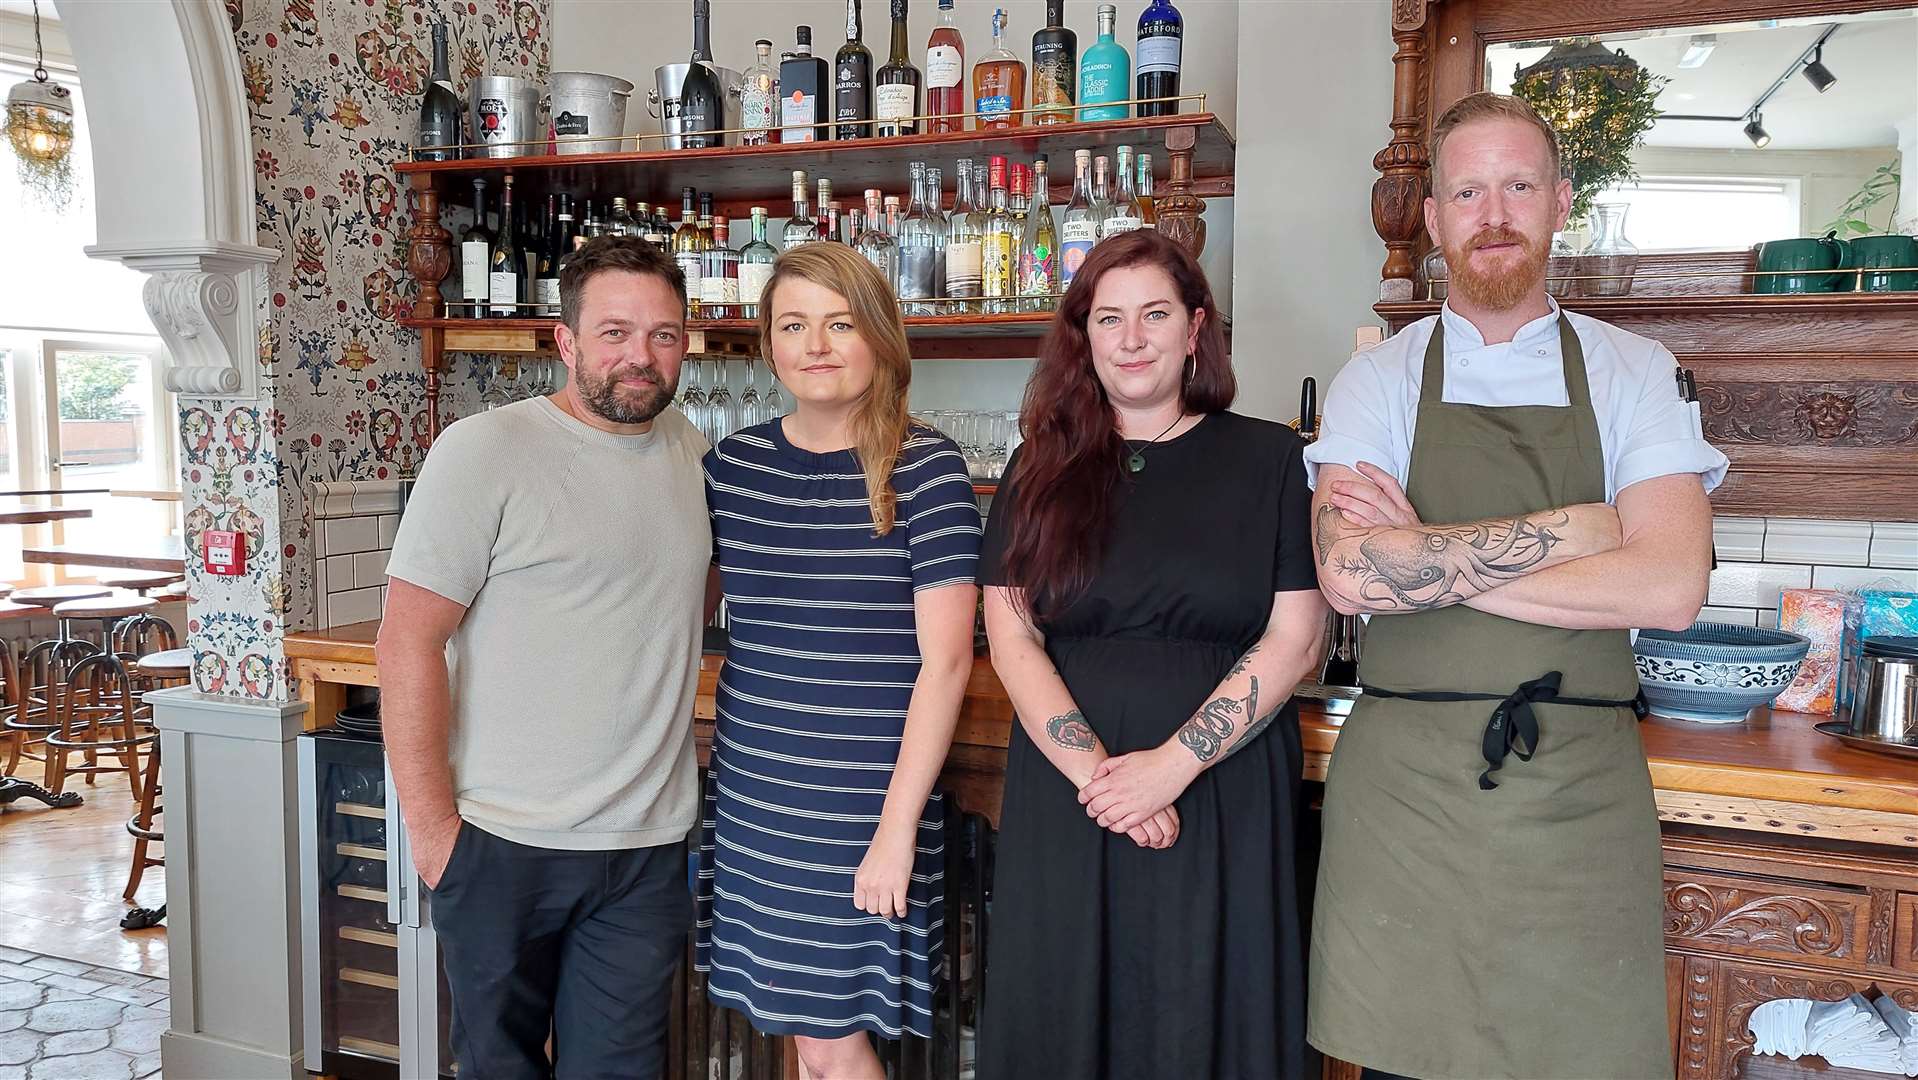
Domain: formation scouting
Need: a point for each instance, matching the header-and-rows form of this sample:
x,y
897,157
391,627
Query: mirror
x,y
1708,138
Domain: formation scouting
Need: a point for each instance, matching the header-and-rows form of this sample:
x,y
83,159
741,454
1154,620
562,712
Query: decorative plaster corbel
x,y
202,302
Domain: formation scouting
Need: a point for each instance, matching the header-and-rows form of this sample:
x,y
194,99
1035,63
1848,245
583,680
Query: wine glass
x,y
722,413
692,400
752,410
775,401
495,395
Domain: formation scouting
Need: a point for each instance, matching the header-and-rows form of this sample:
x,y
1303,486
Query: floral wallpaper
x,y
333,89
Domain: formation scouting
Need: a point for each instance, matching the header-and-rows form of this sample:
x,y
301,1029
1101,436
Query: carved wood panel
x,y
1742,989
1904,940
1793,922
1695,1029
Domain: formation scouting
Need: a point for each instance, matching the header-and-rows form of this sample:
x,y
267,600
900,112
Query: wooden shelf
x,y
1609,307
360,810
762,175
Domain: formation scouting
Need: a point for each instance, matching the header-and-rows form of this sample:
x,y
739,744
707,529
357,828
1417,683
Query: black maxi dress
x,y
1105,959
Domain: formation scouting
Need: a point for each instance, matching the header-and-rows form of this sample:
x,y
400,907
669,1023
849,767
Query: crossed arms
x,y
1588,566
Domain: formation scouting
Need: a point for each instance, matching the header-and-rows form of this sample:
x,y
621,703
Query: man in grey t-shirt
x,y
539,658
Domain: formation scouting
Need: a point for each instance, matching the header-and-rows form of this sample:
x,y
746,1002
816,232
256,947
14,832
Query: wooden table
x,y
166,553
15,512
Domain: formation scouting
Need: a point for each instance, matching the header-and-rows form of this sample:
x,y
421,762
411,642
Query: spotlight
x,y
1755,131
1817,74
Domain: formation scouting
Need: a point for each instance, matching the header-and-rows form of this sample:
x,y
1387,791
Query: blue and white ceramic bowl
x,y
1715,673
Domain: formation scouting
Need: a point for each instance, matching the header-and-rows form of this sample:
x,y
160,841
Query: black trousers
x,y
583,944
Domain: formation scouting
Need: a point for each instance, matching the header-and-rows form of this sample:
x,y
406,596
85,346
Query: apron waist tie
x,y
1513,728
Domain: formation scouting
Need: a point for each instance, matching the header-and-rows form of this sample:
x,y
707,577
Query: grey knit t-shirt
x,y
581,556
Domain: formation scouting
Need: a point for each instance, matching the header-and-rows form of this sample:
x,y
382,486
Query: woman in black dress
x,y
1151,603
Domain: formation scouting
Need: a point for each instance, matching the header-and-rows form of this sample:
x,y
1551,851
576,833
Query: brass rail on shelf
x,y
641,137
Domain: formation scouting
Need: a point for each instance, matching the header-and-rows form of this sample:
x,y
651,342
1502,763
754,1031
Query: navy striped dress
x,y
811,708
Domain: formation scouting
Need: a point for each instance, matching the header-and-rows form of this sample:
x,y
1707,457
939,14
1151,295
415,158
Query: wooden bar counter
x,y
1791,860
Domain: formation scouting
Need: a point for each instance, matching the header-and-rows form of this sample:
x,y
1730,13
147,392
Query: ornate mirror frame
x,y
1814,398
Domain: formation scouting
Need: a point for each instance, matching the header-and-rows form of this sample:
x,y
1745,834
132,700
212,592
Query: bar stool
x,y
110,677
96,717
43,668
172,667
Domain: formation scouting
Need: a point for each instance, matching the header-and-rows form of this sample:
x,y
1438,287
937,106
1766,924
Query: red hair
x,y
1072,457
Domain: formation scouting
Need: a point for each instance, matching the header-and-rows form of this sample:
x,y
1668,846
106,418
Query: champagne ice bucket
x,y
663,101
506,116
585,103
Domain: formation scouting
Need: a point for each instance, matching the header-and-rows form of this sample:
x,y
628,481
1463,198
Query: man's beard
x,y
1497,290
609,399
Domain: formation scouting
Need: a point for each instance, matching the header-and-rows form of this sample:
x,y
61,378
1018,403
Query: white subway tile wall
x,y
355,523
1759,557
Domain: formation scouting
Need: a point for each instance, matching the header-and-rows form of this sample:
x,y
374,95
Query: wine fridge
x,y
376,1003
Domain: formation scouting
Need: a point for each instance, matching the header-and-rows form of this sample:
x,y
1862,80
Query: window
x,y
1706,213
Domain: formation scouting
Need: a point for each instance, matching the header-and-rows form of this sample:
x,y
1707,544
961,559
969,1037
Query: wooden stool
x,y
143,582
43,668
97,716
170,668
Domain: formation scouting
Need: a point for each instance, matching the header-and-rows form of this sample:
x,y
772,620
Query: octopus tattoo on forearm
x,y
1434,566
1071,731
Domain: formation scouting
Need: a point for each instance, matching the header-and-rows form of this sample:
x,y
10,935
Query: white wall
x,y
1307,266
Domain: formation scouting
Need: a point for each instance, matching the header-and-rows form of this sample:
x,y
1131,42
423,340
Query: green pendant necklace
x,y
1136,463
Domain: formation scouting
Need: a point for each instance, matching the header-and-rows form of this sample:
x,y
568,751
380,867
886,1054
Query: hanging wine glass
x,y
775,401
752,409
495,394
719,403
692,400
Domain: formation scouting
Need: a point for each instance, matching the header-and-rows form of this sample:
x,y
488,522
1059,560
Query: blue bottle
x,y
1106,72
1161,37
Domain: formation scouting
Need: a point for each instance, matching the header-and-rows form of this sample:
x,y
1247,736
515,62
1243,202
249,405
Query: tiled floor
x,y
66,1020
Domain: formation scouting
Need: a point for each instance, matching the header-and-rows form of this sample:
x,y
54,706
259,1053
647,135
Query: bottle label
x,y
547,293
505,289
570,123
918,268
756,103
752,281
1072,255
892,101
1083,229
473,270
1158,54
799,117
963,267
712,289
689,267
994,105
1036,271
998,261
1118,223
944,67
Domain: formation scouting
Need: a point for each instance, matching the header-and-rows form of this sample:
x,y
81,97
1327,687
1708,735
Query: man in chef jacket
x,y
1504,488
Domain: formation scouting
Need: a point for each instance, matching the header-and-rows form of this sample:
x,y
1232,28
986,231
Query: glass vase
x,y
1606,268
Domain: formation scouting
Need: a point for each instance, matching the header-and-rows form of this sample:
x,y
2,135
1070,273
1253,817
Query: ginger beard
x,y
1497,283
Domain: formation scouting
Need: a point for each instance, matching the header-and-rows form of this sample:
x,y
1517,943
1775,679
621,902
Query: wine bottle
x,y
702,109
1161,35
439,108
852,83
546,280
476,254
895,95
504,273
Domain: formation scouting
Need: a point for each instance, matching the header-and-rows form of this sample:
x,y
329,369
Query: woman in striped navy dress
x,y
846,537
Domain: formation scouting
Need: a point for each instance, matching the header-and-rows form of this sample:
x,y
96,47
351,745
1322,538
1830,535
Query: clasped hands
x,y
1133,793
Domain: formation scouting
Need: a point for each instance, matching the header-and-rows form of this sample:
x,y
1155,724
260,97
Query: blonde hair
x,y
1486,105
879,421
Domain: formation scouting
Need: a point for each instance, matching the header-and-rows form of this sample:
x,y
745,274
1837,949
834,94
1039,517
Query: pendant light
x,y
40,126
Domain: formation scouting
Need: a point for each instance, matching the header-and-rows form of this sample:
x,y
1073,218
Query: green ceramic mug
x,y
1885,263
1804,265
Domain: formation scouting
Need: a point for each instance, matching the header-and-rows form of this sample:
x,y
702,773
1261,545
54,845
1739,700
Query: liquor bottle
x,y
836,229
895,95
804,92
1055,68
892,216
1021,188
622,223
1079,228
704,240
1142,194
476,253
758,96
965,239
702,108
503,265
800,227
827,210
568,239
546,276
1000,244
1105,75
439,108
999,82
1161,35
1039,249
1124,214
855,224
705,220
852,82
659,232
756,259
1101,188
917,284
532,231
946,75
936,215
879,249
686,246
718,292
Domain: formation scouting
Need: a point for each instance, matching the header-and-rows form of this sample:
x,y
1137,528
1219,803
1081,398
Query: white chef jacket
x,y
1645,429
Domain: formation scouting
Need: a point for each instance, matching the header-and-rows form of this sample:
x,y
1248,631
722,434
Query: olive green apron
x,y
1482,916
